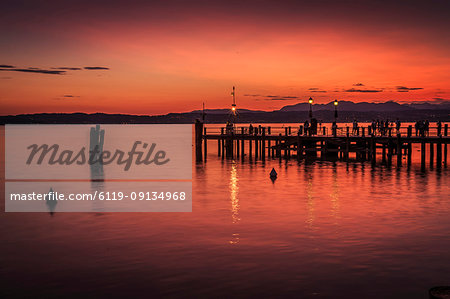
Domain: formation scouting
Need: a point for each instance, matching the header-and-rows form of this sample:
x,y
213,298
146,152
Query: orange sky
x,y
170,56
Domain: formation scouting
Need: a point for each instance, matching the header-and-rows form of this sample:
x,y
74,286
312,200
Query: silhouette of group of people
x,y
310,128
383,126
422,128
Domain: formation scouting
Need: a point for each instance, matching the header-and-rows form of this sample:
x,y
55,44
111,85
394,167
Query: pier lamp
x,y
233,108
310,101
335,109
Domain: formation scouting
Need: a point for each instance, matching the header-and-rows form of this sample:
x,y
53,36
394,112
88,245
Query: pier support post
x,y
439,154
390,152
198,140
409,153
256,146
263,144
445,145
431,154
347,144
422,155
250,148
373,150
237,147
299,148
399,150
242,145
205,144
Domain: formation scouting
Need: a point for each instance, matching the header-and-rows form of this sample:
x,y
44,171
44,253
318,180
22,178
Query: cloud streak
x,y
407,89
52,71
34,70
362,90
96,68
67,68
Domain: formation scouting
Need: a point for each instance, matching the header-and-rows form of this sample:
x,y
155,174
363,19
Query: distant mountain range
x,y
366,106
347,112
346,106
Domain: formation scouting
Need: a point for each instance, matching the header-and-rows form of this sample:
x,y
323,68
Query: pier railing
x,y
326,131
256,142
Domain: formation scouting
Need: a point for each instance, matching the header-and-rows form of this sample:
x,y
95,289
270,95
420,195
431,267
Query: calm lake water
x,y
321,230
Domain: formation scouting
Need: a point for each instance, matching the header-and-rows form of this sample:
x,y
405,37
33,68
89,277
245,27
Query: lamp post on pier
x,y
310,101
335,109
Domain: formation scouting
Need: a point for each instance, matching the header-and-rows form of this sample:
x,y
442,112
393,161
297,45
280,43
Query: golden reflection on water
x,y
335,205
235,205
310,202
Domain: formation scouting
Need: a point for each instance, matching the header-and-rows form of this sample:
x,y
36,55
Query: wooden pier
x,y
258,143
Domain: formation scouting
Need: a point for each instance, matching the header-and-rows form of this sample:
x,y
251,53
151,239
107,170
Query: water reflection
x,y
310,197
235,205
335,206
51,201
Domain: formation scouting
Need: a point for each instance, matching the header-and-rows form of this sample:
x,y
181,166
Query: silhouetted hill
x,y
365,106
347,112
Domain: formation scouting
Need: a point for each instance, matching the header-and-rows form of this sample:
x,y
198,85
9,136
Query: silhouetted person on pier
x,y
334,129
417,127
229,128
422,128
398,125
313,128
427,127
439,127
380,126
306,125
355,127
250,129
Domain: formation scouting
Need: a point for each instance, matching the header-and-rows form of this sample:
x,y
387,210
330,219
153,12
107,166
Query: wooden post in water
x,y
373,150
390,152
256,146
439,154
205,143
285,144
263,144
409,153
242,145
347,144
431,154
299,148
237,148
422,154
198,140
445,145
399,150
222,142
383,157
250,148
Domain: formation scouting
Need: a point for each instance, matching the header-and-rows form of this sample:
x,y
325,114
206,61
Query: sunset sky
x,y
156,57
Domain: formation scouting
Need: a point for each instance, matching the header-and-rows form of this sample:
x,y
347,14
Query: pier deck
x,y
259,143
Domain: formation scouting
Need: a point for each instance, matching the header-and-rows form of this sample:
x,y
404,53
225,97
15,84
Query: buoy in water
x,y
273,174
440,292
